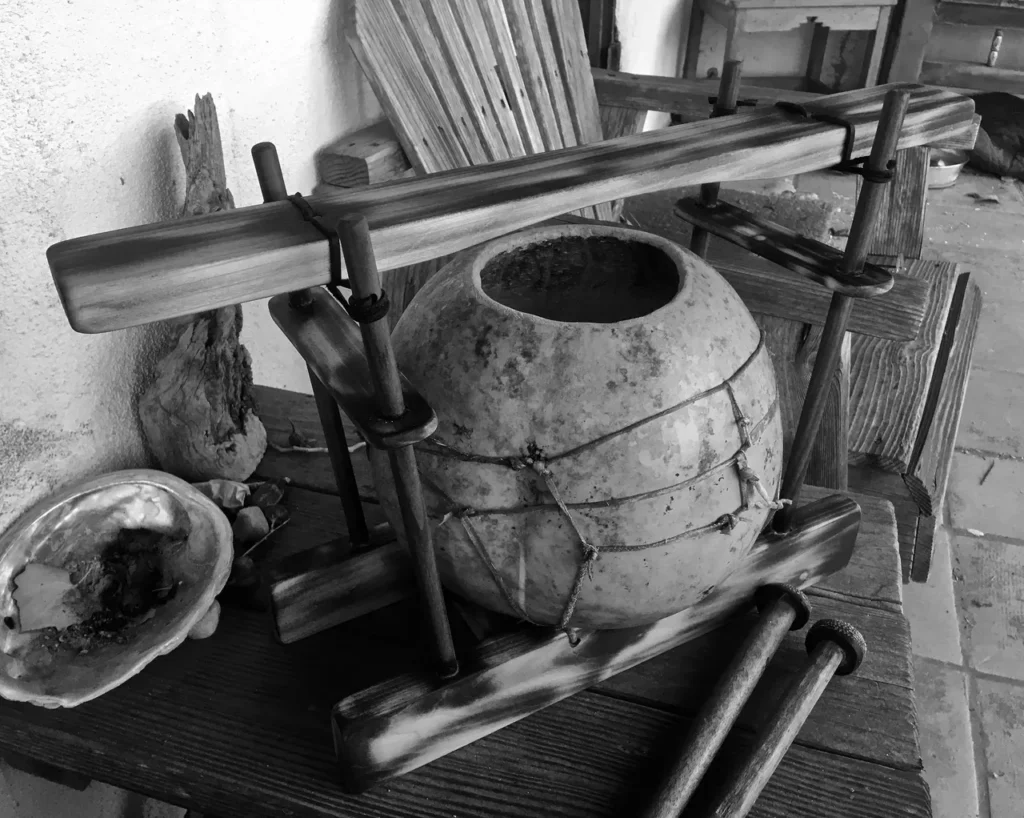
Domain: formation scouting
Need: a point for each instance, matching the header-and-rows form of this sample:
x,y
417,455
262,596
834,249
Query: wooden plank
x,y
148,273
900,228
873,66
237,725
812,259
928,475
310,601
915,31
975,14
768,289
870,481
975,76
365,157
458,74
469,16
793,347
890,380
385,48
679,96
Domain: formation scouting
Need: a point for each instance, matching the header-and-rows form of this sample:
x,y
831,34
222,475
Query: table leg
x,y
873,65
734,35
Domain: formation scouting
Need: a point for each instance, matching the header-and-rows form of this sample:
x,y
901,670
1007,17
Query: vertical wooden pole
x,y
271,179
354,233
861,234
728,95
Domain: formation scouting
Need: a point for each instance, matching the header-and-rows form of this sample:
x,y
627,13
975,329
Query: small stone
x,y
250,526
243,573
267,494
206,626
975,533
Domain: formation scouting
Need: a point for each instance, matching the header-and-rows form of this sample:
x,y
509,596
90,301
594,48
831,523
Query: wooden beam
x,y
976,14
812,259
149,273
976,76
892,380
679,96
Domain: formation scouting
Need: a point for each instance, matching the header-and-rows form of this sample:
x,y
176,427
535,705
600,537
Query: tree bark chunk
x,y
199,414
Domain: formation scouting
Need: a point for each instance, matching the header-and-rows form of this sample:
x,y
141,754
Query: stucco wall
x,y
88,94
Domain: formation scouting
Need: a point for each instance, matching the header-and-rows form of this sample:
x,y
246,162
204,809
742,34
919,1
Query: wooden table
x,y
742,17
237,725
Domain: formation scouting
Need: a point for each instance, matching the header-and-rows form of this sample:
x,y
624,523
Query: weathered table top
x,y
237,725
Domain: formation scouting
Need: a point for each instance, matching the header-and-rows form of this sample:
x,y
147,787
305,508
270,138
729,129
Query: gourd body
x,y
593,385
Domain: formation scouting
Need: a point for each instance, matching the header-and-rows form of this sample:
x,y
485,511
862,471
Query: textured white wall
x,y
88,94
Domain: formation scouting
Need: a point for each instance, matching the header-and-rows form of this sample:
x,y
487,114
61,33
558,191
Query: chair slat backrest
x,y
466,82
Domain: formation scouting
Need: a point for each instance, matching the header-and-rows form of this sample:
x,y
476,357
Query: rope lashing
x,y
363,310
538,462
748,477
590,551
847,164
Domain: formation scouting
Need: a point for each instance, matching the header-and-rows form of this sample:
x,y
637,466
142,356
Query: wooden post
x,y
354,232
783,609
272,186
836,648
857,249
728,95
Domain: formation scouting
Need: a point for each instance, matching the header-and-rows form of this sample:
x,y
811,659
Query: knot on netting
x,y
727,522
748,477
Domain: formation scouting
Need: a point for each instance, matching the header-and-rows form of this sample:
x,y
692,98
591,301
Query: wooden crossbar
x,y
143,274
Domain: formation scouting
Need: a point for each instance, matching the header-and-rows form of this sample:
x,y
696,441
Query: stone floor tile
x,y
987,494
947,747
990,600
930,607
993,414
1000,707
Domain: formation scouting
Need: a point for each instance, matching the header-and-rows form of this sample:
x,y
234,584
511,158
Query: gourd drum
x,y
609,439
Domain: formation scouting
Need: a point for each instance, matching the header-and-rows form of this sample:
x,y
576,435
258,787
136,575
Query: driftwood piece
x,y
198,415
143,274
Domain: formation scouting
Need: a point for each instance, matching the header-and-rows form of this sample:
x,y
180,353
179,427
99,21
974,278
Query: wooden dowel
x,y
354,233
728,96
836,648
865,219
783,609
272,186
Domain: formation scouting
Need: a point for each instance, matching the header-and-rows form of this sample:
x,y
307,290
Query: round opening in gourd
x,y
581,279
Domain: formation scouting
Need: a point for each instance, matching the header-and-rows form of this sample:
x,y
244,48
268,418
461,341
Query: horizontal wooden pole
x,y
679,96
974,76
409,721
139,275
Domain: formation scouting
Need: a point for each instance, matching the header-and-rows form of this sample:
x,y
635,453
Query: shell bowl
x,y
78,522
